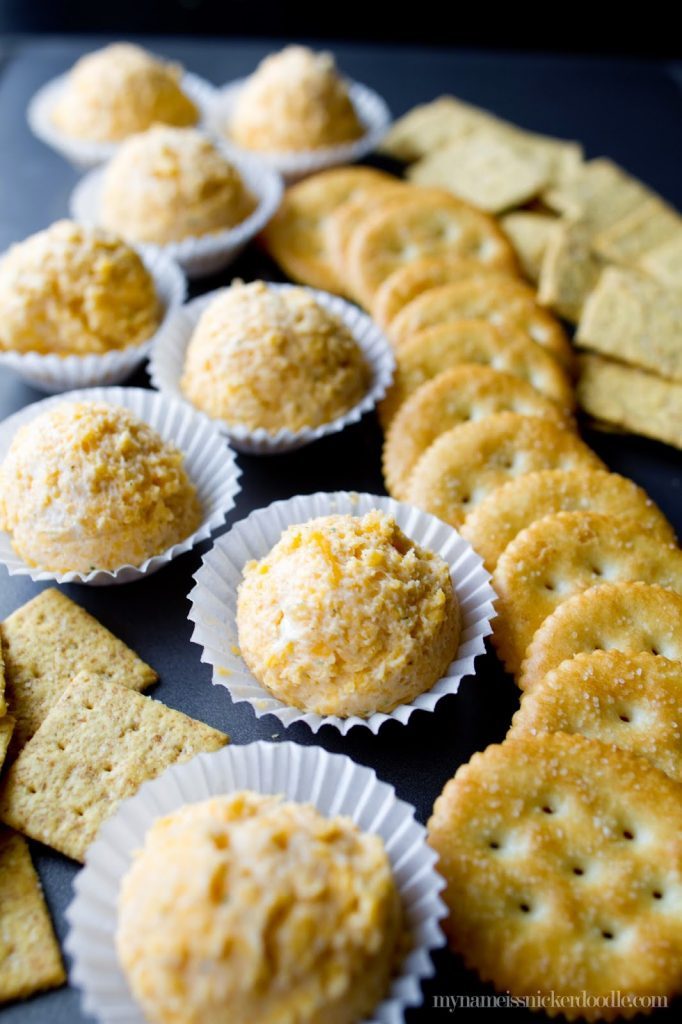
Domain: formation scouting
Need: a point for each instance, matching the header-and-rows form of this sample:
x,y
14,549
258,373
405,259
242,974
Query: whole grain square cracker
x,y
664,263
30,960
631,700
599,192
466,463
96,747
484,168
563,554
635,320
500,517
562,858
649,225
462,394
530,233
628,617
431,125
45,643
631,399
7,724
570,270
443,346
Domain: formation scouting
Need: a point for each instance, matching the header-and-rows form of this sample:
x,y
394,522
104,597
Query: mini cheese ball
x,y
121,90
347,616
87,485
272,359
73,290
295,100
245,909
167,184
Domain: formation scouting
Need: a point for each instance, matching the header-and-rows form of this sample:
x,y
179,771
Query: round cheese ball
x,y
347,616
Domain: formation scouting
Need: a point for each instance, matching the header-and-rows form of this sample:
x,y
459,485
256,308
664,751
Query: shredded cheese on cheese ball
x,y
245,909
347,616
295,100
120,90
272,359
88,485
72,290
172,183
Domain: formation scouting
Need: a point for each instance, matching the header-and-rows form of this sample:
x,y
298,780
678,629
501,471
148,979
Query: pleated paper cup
x,y
372,112
208,460
214,600
53,373
168,360
331,782
84,154
205,254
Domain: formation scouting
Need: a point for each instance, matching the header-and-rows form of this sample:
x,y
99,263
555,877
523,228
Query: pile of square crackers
x,y
603,249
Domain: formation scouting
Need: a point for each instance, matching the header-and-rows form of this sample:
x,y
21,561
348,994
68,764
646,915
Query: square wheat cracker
x,y
569,270
599,192
529,233
30,960
664,263
96,747
46,642
649,225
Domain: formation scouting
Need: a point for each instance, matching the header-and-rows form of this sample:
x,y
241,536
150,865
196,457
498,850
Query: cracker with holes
x,y
96,747
342,222
530,233
628,617
45,643
631,399
7,724
562,858
500,517
635,320
561,555
631,700
600,192
467,463
502,303
444,346
570,270
295,237
485,168
428,222
409,281
30,960
464,393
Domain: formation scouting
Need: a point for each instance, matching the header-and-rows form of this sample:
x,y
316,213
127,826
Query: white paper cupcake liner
x,y
85,153
371,109
206,254
331,782
53,373
214,600
168,359
209,462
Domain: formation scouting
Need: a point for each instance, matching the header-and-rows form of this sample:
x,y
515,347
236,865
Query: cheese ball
x,y
245,908
347,616
172,183
121,90
295,100
86,485
72,290
270,359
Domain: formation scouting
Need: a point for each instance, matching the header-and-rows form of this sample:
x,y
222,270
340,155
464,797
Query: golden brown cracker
x,y
342,222
45,643
562,858
96,747
599,192
563,554
633,701
632,399
570,270
628,617
529,233
295,237
466,463
500,517
30,960
635,320
459,395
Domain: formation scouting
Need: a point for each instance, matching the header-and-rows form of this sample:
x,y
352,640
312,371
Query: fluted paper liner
x,y
54,373
209,462
214,600
168,359
205,254
332,782
370,107
87,153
